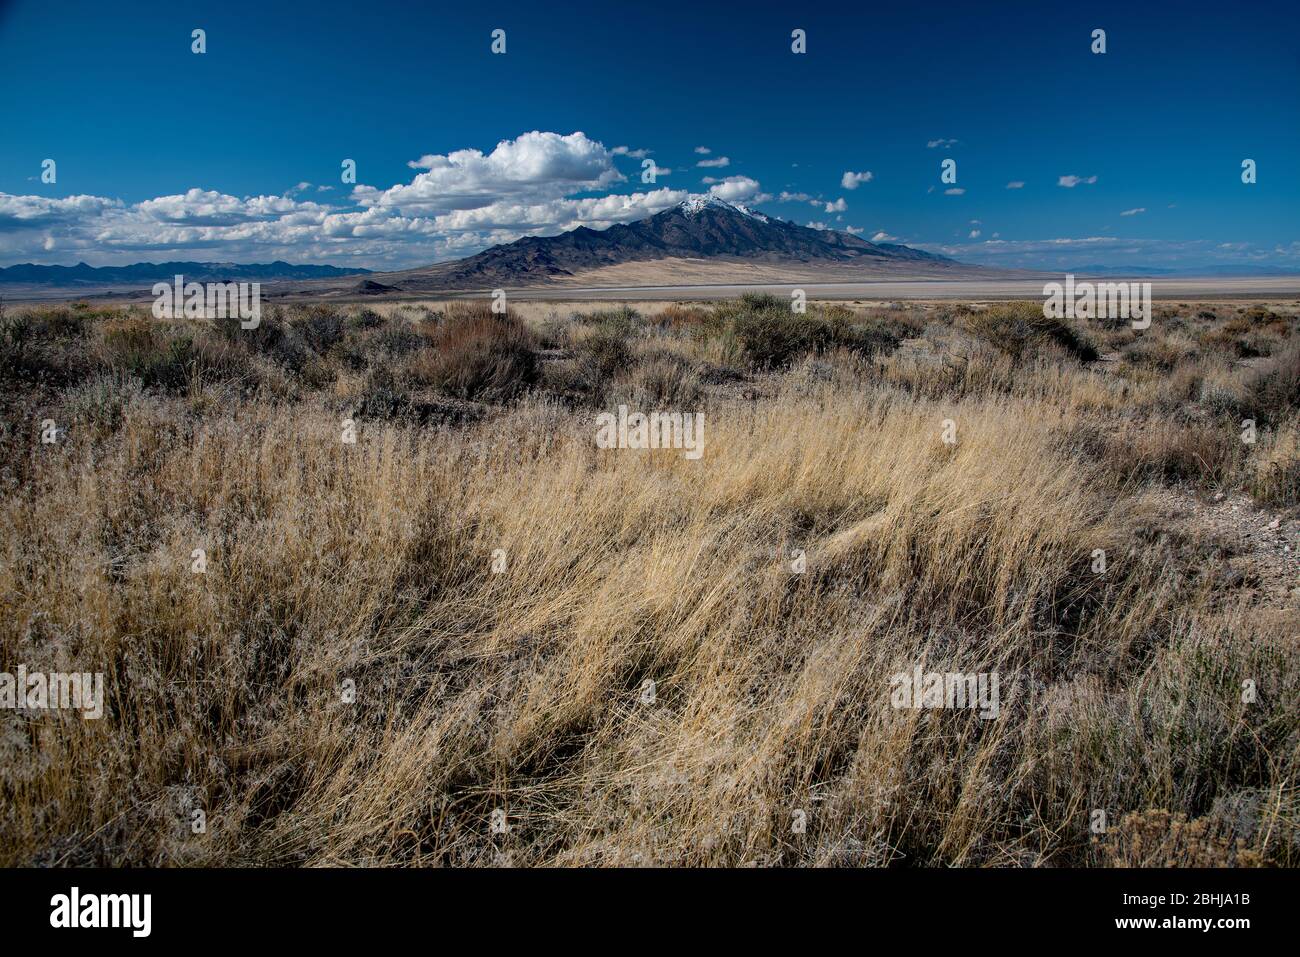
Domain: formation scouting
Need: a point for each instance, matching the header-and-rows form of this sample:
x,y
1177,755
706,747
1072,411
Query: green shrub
x,y
397,338
1274,390
773,337
365,318
600,357
1019,328
321,327
478,354
623,321
761,302
99,402
555,332
136,348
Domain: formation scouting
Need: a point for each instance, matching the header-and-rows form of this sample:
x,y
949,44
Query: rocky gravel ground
x,y
1262,545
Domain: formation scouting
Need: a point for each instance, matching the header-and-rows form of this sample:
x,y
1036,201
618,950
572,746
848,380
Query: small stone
x,y
1218,496
1275,523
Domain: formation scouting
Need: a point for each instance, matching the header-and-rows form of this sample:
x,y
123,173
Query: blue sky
x,y
235,154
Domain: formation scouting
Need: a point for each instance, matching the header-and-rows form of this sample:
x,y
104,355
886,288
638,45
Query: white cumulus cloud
x,y
736,189
535,167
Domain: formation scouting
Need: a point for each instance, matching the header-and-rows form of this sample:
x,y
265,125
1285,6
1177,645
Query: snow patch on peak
x,y
698,203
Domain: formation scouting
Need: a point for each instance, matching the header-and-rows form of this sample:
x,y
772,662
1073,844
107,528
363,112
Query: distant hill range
x,y
1200,271
148,273
700,242
700,228
703,240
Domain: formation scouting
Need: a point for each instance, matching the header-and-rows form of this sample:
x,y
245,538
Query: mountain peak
x,y
698,203
702,227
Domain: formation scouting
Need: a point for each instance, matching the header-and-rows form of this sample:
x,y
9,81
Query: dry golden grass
x,y
524,691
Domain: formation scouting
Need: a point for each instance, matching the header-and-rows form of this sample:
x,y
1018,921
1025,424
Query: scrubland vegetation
x,y
369,565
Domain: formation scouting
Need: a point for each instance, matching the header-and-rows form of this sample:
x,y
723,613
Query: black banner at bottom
x,y
334,907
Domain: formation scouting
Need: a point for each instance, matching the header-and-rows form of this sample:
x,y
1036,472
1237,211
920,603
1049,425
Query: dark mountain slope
x,y
696,229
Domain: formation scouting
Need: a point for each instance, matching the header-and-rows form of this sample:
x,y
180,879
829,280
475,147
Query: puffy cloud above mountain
x,y
457,204
735,189
562,214
532,168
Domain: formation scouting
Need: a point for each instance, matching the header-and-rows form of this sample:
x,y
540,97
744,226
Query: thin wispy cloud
x,y
1070,181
